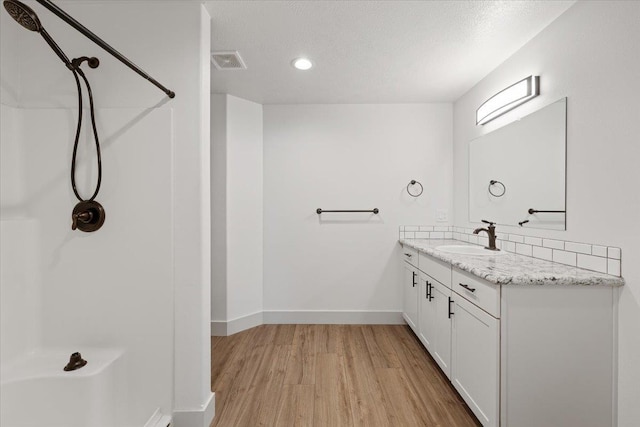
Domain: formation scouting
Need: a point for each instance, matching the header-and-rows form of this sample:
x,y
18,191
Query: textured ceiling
x,y
369,51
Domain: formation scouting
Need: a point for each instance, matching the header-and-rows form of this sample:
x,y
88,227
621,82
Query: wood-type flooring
x,y
331,376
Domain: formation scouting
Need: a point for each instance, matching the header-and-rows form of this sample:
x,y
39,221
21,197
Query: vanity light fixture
x,y
303,64
508,99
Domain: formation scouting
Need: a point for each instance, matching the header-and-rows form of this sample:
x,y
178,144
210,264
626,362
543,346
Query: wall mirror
x,y
517,174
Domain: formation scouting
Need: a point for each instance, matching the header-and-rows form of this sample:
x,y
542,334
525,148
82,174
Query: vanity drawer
x,y
410,255
439,270
477,291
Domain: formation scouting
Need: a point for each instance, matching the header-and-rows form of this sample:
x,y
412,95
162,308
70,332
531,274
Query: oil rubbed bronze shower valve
x,y
87,216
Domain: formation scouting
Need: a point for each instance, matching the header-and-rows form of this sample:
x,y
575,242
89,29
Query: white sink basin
x,y
468,250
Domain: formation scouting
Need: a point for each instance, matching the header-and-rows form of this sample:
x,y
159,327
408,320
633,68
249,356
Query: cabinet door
x,y
426,313
476,359
442,331
410,306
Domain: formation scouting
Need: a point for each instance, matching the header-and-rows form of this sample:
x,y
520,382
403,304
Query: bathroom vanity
x,y
526,342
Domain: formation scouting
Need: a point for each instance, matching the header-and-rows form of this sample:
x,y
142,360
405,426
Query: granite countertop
x,y
512,269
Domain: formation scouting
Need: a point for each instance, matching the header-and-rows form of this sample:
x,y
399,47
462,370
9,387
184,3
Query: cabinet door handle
x,y
414,279
427,293
409,255
450,312
467,287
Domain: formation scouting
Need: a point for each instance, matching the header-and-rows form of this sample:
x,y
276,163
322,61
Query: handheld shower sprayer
x,y
88,215
26,17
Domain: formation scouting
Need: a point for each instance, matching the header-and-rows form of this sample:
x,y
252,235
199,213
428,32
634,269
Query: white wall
x,y
150,264
590,55
219,213
237,213
245,207
347,157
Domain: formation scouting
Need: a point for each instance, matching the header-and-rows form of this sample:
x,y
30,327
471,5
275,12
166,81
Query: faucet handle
x,y
88,215
488,222
84,217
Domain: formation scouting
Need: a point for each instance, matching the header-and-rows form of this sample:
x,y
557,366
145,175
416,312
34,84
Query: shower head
x,y
23,15
26,17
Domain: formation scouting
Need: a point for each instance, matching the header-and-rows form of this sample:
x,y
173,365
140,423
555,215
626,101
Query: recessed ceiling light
x,y
302,64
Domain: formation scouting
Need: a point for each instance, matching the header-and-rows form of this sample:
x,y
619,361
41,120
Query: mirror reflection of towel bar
x,y
534,211
374,211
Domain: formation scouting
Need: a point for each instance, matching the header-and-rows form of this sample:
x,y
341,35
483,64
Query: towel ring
x,y
494,182
414,182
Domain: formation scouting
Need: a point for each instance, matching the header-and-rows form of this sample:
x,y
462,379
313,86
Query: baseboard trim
x,y
230,327
196,418
218,328
333,317
158,419
305,317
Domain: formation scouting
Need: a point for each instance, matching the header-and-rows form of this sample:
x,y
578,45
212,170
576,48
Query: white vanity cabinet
x,y
475,345
434,329
475,359
410,288
436,305
426,313
462,338
519,355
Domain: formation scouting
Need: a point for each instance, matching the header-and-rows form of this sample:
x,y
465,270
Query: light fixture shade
x,y
508,99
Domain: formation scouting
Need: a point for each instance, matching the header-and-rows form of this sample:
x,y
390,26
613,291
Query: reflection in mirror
x,y
517,174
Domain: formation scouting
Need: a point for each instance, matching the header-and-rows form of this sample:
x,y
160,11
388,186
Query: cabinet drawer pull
x,y
467,287
409,255
450,312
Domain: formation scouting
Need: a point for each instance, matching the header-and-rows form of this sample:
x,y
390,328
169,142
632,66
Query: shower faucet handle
x,y
85,217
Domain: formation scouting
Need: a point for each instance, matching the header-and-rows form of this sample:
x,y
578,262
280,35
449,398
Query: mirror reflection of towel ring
x,y
498,193
414,182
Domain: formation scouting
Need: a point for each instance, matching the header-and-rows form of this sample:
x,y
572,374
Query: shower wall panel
x,y
93,284
13,190
19,284
20,289
9,61
112,288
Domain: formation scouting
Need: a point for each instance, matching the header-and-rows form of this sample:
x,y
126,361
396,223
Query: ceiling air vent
x,y
227,61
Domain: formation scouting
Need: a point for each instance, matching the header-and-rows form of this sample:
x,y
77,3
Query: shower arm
x,y
97,40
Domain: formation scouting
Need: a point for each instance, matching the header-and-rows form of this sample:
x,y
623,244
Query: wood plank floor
x,y
331,376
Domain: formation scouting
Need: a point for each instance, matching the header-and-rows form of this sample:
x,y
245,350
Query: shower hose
x,y
78,72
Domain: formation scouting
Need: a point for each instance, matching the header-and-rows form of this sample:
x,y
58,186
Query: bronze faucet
x,y
491,231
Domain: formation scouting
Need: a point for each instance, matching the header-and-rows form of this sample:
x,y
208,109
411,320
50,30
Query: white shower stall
x,y
132,297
